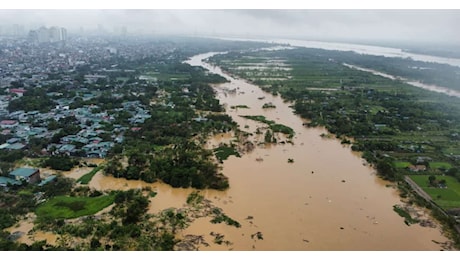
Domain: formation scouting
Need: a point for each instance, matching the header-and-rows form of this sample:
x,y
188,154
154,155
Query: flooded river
x,y
327,199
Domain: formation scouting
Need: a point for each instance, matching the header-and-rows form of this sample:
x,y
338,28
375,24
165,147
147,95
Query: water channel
x,y
449,92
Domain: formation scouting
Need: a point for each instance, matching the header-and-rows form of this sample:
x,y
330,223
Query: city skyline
x,y
419,26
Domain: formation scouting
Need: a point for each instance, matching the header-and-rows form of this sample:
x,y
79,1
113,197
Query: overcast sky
x,y
349,25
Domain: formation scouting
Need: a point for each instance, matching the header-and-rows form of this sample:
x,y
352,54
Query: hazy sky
x,y
368,25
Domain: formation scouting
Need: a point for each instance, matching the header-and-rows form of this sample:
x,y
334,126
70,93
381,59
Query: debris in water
x,y
342,228
343,180
258,234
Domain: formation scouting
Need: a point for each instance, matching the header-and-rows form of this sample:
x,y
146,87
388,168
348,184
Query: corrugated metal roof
x,y
24,172
5,180
47,180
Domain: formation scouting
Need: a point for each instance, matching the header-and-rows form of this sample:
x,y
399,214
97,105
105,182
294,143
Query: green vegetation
x,y
268,105
127,226
273,125
168,146
440,165
61,162
407,217
85,179
220,217
223,152
239,106
64,207
402,165
33,99
448,197
194,198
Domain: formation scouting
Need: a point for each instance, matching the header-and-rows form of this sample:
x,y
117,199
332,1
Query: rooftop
x,y
24,172
5,181
47,180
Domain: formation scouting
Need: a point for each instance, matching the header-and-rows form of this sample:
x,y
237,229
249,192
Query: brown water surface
x,y
328,199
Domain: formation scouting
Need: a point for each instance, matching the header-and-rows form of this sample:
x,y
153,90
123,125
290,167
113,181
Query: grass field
x,y
446,198
64,207
85,179
399,164
440,165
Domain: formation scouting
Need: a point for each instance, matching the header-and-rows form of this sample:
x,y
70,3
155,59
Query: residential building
x,y
31,175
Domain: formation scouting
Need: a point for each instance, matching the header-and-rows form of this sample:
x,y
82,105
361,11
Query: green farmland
x,y
448,197
64,207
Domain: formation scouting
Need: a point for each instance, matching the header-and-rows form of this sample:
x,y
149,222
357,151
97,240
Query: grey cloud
x,y
370,25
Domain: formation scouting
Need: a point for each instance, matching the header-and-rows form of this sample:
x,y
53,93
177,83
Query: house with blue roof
x,y
47,180
30,175
5,181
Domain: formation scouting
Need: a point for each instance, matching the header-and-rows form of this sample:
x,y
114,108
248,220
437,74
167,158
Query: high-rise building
x,y
63,34
53,34
45,35
33,36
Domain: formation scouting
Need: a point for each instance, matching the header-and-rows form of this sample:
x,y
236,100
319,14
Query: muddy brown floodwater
x,y
328,199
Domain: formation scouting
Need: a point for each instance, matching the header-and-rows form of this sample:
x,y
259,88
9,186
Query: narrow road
x,y
417,189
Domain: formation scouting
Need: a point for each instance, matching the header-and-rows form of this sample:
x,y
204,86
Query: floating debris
x,y
343,180
219,239
191,243
258,235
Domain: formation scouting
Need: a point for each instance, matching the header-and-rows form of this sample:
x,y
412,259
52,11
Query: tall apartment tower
x,y
62,34
45,35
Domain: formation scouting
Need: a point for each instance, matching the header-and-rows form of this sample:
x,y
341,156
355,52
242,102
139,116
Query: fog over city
x,y
374,26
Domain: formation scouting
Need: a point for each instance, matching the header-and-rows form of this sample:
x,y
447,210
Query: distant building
x,y
18,91
57,34
48,35
8,123
31,175
417,168
43,35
